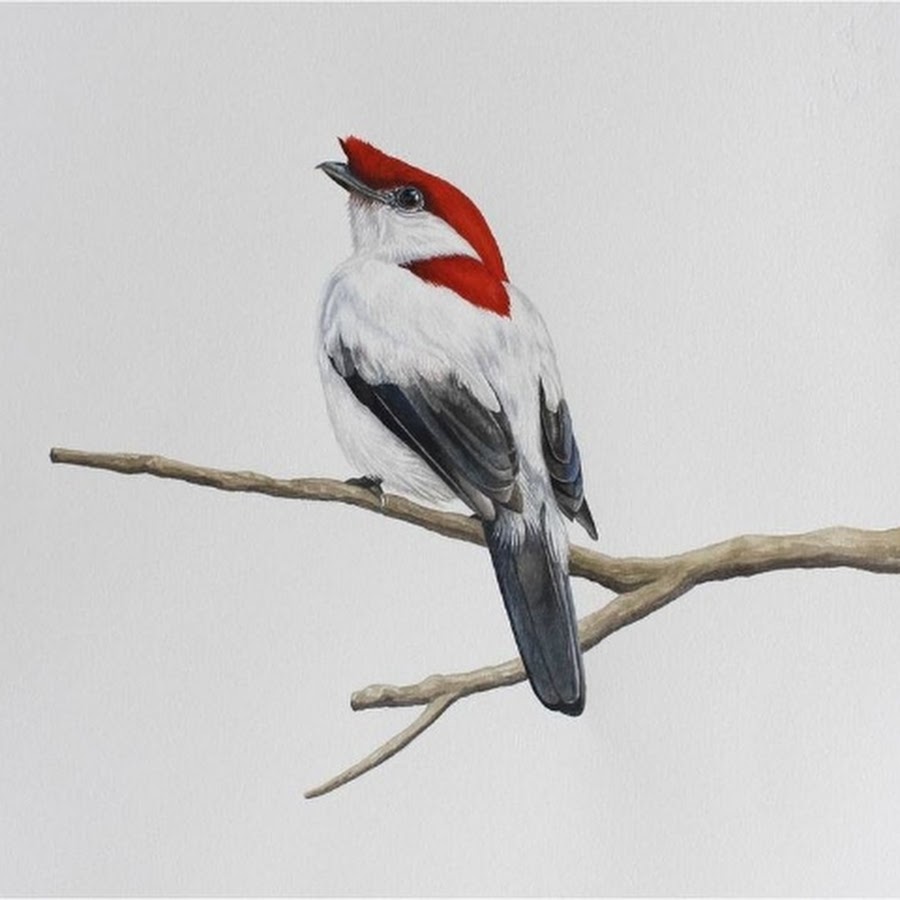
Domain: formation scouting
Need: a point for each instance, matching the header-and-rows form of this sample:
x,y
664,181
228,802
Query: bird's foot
x,y
370,484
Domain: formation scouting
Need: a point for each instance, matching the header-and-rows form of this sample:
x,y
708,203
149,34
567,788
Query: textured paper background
x,y
704,201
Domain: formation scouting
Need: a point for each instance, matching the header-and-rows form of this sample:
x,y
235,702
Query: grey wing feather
x,y
564,463
468,445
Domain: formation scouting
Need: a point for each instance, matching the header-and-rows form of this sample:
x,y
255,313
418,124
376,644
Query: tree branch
x,y
615,574
427,717
644,585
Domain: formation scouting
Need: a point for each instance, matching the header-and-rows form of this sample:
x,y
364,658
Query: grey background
x,y
705,203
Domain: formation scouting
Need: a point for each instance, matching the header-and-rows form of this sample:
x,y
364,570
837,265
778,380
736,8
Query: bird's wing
x,y
564,463
468,445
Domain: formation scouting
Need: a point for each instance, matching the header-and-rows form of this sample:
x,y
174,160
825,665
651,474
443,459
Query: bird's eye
x,y
409,199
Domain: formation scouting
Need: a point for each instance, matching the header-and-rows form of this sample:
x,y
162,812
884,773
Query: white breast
x,y
402,330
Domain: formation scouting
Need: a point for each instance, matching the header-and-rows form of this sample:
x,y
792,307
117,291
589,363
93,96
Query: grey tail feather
x,y
538,601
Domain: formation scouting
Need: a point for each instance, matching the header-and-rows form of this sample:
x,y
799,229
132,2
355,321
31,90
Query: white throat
x,y
386,233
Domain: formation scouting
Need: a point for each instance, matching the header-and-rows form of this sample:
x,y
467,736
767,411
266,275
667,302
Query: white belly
x,y
371,449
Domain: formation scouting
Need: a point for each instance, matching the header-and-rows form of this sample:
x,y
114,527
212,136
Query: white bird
x,y
441,382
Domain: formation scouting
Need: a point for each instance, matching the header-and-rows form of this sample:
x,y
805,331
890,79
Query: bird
x,y
441,382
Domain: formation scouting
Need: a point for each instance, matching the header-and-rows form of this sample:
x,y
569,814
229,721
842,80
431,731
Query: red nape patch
x,y
467,277
380,171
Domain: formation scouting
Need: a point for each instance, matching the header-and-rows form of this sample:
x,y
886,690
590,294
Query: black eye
x,y
409,199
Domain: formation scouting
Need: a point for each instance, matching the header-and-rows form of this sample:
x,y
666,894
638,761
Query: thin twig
x,y
435,709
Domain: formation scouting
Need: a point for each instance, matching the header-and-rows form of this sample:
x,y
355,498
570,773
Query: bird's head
x,y
404,214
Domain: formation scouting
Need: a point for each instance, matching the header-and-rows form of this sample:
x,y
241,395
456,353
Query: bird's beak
x,y
340,172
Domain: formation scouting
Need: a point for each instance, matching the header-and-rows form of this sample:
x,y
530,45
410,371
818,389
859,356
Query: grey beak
x,y
340,172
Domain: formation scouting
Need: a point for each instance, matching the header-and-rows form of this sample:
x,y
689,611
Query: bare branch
x,y
604,570
428,717
448,524
644,585
592,629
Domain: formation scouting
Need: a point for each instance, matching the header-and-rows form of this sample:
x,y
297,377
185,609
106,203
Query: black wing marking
x,y
564,463
469,446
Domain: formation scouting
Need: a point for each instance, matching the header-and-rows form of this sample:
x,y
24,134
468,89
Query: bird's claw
x,y
370,484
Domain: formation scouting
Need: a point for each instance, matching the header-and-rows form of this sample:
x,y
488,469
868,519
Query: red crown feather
x,y
378,170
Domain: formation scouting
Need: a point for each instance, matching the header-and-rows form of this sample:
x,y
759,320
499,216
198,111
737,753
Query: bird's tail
x,y
538,598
